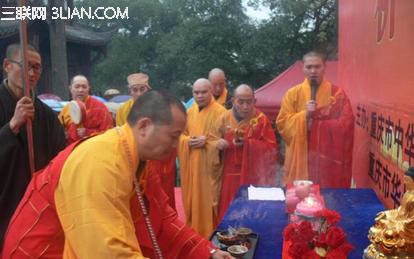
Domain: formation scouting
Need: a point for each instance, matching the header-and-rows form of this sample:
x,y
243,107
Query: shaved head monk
x,y
96,201
217,77
199,162
316,122
244,132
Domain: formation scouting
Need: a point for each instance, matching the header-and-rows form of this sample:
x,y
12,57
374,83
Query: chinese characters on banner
x,y
391,148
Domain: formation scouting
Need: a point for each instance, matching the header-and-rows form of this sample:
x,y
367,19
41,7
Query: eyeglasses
x,y
36,68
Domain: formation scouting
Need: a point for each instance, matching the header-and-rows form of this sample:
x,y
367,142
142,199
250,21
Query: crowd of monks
x,y
225,142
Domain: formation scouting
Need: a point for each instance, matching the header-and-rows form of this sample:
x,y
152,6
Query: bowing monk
x,y
15,111
96,201
316,122
138,85
97,117
199,160
248,144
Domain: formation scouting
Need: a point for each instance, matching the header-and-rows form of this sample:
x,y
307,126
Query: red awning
x,y
269,96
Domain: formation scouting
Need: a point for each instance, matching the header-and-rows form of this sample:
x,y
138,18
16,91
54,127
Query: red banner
x,y
376,59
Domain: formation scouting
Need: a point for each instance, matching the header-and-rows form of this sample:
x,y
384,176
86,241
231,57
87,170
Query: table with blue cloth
x,y
358,208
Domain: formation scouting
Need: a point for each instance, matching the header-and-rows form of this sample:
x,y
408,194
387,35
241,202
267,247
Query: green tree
x,y
178,41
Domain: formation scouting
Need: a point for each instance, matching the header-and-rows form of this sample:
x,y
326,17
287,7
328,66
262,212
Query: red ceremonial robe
x,y
167,172
254,162
35,230
330,142
98,119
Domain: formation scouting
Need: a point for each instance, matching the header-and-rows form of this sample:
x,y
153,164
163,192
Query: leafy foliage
x,y
178,41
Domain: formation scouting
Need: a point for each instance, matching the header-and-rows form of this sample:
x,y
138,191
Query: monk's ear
x,y
6,65
143,125
233,100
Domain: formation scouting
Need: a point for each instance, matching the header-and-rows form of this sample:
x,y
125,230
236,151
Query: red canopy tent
x,y
269,96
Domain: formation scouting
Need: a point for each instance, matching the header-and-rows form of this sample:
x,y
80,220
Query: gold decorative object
x,y
392,235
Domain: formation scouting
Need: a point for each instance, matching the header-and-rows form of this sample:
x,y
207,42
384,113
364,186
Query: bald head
x,y
218,80
202,92
243,90
79,88
244,101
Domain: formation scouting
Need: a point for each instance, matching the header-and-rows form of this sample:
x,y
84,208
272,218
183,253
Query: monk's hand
x,y
192,141
222,144
24,111
221,255
238,142
200,142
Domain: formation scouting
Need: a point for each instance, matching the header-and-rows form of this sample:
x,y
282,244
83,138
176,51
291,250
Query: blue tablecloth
x,y
358,208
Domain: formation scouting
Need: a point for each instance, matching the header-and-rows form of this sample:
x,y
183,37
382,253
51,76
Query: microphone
x,y
313,97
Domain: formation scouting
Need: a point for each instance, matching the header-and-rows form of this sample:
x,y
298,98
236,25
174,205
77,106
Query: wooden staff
x,y
26,86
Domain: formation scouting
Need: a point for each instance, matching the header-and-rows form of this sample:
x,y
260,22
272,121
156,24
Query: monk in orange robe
x,y
217,78
316,122
248,143
199,160
97,117
137,85
108,206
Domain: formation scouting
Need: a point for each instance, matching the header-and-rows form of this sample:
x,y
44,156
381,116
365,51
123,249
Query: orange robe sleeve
x,y
291,124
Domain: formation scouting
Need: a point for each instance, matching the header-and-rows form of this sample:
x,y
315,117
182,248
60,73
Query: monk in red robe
x,y
248,145
84,205
97,117
316,122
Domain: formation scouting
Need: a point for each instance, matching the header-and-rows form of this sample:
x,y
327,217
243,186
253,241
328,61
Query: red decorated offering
x,y
303,241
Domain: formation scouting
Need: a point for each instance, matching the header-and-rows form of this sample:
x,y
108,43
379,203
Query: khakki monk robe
x,y
200,169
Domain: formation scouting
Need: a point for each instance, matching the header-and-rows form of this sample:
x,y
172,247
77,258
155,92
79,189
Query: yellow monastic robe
x,y
200,169
96,225
223,97
123,111
292,126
